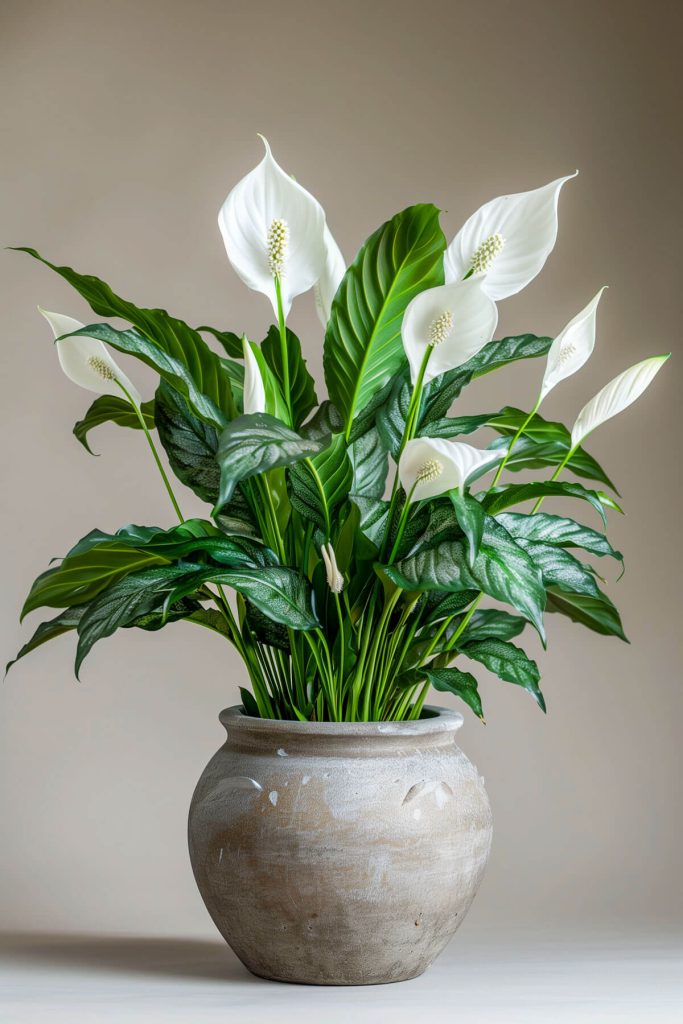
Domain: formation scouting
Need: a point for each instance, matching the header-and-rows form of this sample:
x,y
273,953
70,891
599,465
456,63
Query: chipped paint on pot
x,y
349,861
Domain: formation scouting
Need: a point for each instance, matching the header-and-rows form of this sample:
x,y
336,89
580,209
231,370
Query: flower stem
x,y
155,453
555,475
283,348
514,441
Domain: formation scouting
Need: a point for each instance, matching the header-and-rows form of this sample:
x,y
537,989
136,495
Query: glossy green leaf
x,y
443,606
80,577
189,364
301,384
492,622
561,569
454,426
462,684
598,614
189,443
174,369
509,663
374,517
557,530
126,601
254,444
282,594
63,623
440,393
273,634
321,483
363,348
500,498
502,570
231,342
370,465
110,409
470,516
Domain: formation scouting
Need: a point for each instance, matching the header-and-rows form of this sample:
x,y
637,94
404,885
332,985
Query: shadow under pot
x,y
339,853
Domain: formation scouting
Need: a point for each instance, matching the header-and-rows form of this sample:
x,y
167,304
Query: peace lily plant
x,y
350,546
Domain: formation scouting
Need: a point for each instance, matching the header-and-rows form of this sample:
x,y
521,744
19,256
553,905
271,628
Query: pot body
x,y
339,854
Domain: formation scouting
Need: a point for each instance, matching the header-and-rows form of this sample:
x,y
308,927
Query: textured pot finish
x,y
339,854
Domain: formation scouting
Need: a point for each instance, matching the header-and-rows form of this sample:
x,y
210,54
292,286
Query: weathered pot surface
x,y
339,853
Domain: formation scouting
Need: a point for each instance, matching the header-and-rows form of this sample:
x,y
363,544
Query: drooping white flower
x,y
254,398
335,580
430,466
616,396
572,347
452,321
86,361
272,226
326,288
507,240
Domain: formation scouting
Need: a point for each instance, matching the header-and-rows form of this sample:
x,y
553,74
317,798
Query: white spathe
x,y
616,396
524,230
267,196
454,320
326,288
254,397
430,466
572,347
335,580
86,361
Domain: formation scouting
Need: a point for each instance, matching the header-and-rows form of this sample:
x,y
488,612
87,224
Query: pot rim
x,y
437,720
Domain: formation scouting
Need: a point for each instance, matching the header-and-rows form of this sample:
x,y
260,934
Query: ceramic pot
x,y
339,854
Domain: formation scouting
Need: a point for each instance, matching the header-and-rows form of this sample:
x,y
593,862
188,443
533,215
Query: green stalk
x,y
283,348
555,475
155,453
514,441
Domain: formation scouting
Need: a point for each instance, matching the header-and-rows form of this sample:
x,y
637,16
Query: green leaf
x,y
454,426
502,570
110,409
544,443
598,614
363,348
560,569
491,622
301,384
189,443
320,484
470,516
254,444
509,663
205,375
282,594
194,537
557,530
462,684
62,623
80,577
391,417
124,602
439,607
500,498
197,370
273,634
374,516
370,463
440,393
231,342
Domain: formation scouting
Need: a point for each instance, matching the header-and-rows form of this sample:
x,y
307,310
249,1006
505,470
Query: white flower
x,y
430,466
271,226
254,399
335,580
616,396
571,348
508,240
326,288
452,322
86,361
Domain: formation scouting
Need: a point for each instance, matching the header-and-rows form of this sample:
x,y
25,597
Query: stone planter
x,y
339,854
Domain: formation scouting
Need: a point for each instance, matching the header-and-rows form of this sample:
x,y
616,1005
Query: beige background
x,y
124,124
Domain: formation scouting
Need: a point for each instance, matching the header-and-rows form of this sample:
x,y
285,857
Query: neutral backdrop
x,y
123,127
